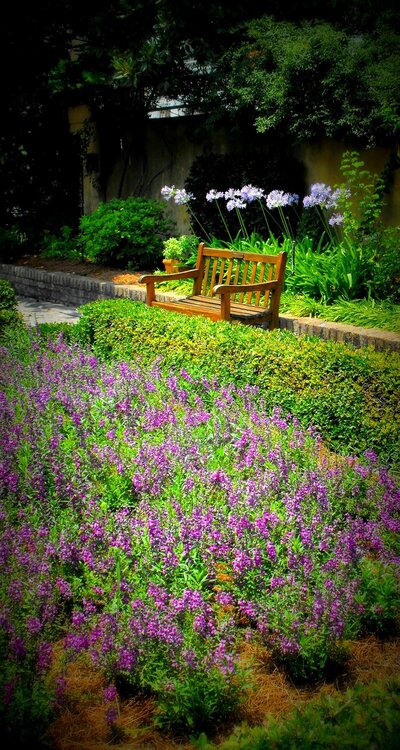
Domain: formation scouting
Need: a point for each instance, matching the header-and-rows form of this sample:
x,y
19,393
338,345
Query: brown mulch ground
x,y
82,723
83,268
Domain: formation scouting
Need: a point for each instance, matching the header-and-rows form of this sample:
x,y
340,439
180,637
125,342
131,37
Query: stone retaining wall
x,y
74,290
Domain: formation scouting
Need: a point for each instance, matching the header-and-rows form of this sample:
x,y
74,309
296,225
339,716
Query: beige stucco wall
x,y
79,118
322,163
163,152
163,155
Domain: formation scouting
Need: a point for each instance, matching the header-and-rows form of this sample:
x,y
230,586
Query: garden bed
x,y
203,560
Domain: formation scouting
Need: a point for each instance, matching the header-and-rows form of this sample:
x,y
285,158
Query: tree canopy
x,y
313,79
304,69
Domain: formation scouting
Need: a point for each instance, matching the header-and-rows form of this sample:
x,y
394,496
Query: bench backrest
x,y
218,266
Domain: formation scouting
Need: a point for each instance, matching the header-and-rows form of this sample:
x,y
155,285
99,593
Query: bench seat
x,y
211,308
227,285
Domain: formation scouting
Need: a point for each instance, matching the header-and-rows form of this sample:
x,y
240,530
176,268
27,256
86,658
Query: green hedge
x,y
9,316
350,395
363,718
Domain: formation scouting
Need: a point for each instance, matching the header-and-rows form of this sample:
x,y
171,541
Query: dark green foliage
x,y
126,233
9,316
8,298
382,251
13,243
366,717
269,169
350,396
379,597
63,245
315,79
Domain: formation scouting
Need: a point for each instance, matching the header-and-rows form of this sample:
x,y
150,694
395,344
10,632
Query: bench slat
x,y
232,272
210,307
244,278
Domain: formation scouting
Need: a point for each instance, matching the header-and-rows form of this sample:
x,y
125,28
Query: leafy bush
x,y
364,717
313,79
183,248
8,297
13,243
63,245
350,395
126,233
381,251
9,315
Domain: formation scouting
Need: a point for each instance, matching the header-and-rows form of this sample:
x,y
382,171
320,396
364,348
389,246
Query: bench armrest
x,y
155,277
236,288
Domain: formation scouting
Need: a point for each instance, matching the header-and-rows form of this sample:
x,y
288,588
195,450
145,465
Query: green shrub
x,y
183,248
13,242
382,252
63,245
126,233
10,318
350,395
8,298
362,718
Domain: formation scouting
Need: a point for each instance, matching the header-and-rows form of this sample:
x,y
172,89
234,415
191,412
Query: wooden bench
x,y
227,285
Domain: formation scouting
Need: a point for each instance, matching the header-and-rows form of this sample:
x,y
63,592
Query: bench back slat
x,y
220,266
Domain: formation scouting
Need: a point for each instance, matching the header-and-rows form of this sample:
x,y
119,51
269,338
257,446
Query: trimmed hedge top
x,y
351,396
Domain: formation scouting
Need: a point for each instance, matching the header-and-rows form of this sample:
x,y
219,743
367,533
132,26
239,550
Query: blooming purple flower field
x,y
156,524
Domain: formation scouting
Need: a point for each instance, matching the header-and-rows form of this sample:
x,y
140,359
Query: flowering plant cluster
x,y
238,199
156,523
275,206
349,211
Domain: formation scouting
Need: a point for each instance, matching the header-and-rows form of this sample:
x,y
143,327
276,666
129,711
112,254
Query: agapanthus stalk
x,y
279,200
213,196
182,198
325,199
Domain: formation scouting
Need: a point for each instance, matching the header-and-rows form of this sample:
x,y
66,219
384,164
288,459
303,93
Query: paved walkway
x,y
38,311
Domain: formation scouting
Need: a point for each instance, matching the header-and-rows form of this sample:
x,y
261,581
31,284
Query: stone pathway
x,y
38,311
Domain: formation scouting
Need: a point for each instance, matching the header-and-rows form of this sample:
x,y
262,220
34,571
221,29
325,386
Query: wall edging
x,y
75,290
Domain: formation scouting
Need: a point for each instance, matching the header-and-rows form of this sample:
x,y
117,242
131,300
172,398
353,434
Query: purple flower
x,y
214,195
182,197
44,656
235,203
336,220
323,196
249,193
110,693
279,199
33,625
320,195
168,192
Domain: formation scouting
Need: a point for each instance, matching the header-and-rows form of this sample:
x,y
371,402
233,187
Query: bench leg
x,y
225,307
150,293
